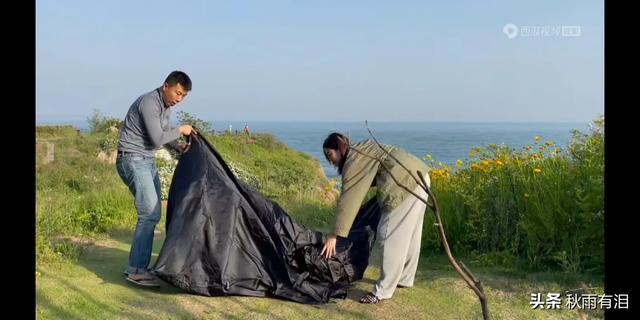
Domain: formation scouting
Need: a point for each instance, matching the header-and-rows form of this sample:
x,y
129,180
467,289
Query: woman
x,y
365,164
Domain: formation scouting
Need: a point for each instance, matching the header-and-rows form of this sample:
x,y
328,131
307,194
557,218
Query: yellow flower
x,y
440,163
475,166
527,147
500,163
435,173
327,187
542,148
485,162
459,162
537,170
429,156
549,142
558,150
526,195
38,274
472,152
537,138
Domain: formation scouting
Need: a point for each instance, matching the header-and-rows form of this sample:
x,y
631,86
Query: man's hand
x,y
182,147
187,129
329,248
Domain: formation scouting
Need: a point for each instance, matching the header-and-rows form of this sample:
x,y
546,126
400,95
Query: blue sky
x,y
323,60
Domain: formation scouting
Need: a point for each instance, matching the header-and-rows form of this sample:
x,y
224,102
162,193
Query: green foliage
x,y
101,123
540,205
201,126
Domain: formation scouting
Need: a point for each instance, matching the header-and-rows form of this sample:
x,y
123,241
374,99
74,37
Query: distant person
x,y
400,228
246,129
146,128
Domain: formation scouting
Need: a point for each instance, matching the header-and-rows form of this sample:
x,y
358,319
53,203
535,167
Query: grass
x,y
94,287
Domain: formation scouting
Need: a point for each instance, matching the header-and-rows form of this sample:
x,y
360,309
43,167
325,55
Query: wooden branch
x,y
465,273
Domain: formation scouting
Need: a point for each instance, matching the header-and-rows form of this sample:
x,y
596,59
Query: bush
x,y
101,123
540,204
203,127
48,131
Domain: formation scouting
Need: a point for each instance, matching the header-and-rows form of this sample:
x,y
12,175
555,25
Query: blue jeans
x,y
140,174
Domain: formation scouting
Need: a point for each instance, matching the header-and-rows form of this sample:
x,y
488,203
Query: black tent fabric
x,y
225,238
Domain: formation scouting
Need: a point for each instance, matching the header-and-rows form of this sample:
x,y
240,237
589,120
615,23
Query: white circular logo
x,y
511,30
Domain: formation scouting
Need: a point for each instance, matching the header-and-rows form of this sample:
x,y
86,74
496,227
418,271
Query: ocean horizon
x,y
444,141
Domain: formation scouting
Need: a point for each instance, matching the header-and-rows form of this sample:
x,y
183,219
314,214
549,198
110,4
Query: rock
x,y
107,157
48,149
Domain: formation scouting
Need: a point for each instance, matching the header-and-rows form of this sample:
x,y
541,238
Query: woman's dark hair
x,y
340,142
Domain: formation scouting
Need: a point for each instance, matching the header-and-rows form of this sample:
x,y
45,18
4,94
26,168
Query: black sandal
x,y
369,298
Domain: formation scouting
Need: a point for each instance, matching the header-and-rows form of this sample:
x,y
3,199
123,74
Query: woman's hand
x,y
329,248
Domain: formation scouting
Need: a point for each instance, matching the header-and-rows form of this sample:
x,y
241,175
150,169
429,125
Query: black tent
x,y
224,238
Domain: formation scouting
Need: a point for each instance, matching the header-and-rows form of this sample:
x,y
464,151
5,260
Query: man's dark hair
x,y
179,77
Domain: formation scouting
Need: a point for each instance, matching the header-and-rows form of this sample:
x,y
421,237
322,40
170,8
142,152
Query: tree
x,y
101,123
199,124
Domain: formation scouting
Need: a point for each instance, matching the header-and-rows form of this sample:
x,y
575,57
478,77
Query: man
x,y
246,129
145,129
